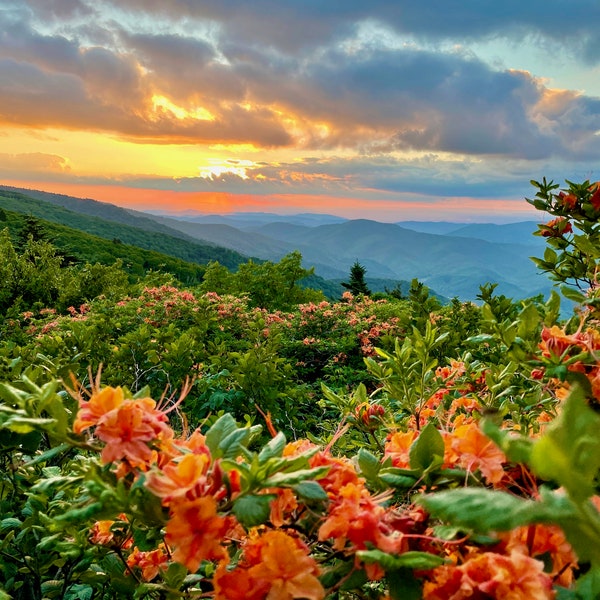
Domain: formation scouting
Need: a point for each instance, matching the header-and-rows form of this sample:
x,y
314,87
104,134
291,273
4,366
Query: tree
x,y
357,284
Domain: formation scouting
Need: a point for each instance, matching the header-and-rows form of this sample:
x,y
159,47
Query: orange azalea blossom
x,y
341,472
127,430
568,201
283,506
111,533
557,227
537,540
397,447
274,566
468,447
150,563
555,340
196,531
186,476
595,197
456,369
357,518
491,576
100,403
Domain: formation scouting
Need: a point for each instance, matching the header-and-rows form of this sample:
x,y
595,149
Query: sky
x,y
383,109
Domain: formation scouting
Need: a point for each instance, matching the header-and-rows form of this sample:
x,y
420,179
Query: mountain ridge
x,y
452,265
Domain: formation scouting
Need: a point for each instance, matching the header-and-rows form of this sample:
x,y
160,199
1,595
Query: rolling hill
x,y
150,237
454,263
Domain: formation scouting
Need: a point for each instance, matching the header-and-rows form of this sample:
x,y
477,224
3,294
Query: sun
x,y
217,168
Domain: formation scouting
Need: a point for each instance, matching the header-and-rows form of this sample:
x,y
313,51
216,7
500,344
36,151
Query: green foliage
x,y
165,243
275,286
395,388
573,237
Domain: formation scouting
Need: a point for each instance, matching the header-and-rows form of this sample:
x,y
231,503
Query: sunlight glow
x,y
199,113
217,168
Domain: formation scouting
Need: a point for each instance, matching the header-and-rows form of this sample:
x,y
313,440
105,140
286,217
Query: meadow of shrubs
x,y
250,439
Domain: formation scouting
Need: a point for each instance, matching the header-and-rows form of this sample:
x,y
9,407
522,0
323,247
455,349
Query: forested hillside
x,y
173,245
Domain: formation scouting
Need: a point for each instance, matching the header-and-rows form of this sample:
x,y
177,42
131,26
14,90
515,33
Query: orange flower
x,y
196,531
473,451
150,563
128,428
341,472
492,576
538,540
568,201
357,518
556,228
112,533
282,506
274,566
595,197
101,402
398,446
179,478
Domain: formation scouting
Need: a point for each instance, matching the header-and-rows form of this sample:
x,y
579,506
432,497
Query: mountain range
x,y
453,259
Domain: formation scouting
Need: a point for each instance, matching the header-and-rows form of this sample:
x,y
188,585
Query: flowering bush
x,y
470,473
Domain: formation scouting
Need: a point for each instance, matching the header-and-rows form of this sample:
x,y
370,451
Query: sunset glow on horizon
x,y
378,111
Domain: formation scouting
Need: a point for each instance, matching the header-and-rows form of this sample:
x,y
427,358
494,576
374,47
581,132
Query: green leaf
x,y
175,575
295,477
572,294
20,424
368,464
569,451
310,490
219,430
273,449
253,509
485,510
427,450
409,560
588,586
398,478
48,454
9,523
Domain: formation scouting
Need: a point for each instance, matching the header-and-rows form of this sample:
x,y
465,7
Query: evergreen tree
x,y
357,284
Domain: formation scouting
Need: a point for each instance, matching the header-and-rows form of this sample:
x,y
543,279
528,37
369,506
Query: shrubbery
x,y
187,443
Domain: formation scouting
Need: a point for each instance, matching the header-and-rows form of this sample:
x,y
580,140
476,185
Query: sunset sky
x,y
381,109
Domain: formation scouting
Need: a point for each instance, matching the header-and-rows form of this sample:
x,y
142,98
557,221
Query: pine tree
x,y
357,284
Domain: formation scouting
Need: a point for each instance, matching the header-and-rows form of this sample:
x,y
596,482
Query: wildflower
x,y
127,429
101,402
493,576
179,478
568,201
398,446
475,451
283,505
544,540
150,563
111,533
274,566
195,532
595,198
357,518
556,228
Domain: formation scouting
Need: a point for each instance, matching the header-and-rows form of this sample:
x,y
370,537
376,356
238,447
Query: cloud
x,y
18,165
377,97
